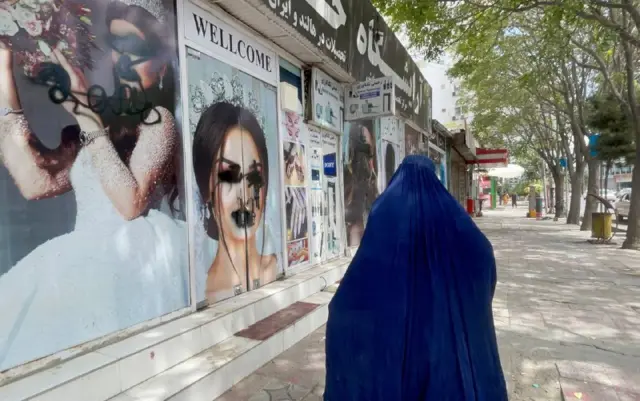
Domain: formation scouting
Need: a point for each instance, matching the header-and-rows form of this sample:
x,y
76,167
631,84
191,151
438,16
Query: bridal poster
x,y
92,232
232,119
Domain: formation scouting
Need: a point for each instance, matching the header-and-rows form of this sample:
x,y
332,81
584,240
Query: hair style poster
x,y
295,144
93,237
360,158
232,118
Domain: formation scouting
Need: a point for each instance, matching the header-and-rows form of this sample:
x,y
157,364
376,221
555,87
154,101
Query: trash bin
x,y
601,225
470,206
538,207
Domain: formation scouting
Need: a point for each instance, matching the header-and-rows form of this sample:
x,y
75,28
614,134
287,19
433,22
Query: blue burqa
x,y
412,319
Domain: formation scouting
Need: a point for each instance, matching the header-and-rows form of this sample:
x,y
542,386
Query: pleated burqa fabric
x,y
412,319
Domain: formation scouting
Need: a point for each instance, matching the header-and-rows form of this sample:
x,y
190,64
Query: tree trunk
x,y
633,229
558,180
576,193
593,184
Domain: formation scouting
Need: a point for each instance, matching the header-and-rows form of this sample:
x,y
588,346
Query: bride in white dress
x,y
126,261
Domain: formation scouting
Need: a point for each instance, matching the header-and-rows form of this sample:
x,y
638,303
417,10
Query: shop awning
x,y
491,158
465,144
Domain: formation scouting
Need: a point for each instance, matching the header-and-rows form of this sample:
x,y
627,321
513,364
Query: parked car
x,y
609,195
622,206
623,191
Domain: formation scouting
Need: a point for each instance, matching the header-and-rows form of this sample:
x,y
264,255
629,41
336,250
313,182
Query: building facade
x,y
170,169
448,107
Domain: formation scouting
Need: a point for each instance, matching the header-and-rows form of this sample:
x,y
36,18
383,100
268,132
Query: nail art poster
x,y
296,174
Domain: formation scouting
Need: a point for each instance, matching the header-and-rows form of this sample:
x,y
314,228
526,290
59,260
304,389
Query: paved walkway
x,y
567,315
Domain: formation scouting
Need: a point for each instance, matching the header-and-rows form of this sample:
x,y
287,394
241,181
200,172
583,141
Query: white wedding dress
x,y
106,275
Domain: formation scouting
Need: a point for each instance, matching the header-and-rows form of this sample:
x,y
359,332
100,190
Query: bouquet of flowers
x,y
33,28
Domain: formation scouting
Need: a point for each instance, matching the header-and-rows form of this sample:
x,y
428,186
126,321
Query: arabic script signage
x,y
323,22
370,99
327,99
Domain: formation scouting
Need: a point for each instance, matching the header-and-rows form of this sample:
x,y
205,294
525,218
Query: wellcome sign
x,y
229,44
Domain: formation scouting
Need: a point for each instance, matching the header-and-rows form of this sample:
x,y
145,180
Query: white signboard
x,y
370,99
228,44
327,99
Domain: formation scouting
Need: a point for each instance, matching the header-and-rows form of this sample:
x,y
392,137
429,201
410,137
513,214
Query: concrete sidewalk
x,y
567,315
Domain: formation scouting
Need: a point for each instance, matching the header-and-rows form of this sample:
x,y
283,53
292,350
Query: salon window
x,y
290,87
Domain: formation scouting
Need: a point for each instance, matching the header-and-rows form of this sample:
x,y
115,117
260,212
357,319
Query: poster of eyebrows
x,y
360,158
93,237
232,119
295,135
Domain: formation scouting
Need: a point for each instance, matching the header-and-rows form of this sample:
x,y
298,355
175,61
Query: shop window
x,y
290,87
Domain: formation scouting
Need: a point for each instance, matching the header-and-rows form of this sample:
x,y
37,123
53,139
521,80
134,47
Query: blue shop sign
x,y
330,165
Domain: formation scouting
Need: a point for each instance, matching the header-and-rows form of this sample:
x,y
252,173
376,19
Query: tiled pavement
x,y
567,315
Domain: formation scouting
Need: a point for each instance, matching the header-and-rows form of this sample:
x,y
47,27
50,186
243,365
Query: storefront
x,y
313,190
207,163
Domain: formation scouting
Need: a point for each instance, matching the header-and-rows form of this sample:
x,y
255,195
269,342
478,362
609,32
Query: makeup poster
x,y
295,144
232,120
93,237
360,159
318,239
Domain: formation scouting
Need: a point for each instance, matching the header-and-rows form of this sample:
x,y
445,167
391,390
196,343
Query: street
x,y
567,316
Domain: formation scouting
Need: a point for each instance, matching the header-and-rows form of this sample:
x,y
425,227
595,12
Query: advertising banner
x,y
392,139
226,43
327,101
370,99
295,143
323,22
360,157
354,35
232,120
378,53
317,194
93,237
332,212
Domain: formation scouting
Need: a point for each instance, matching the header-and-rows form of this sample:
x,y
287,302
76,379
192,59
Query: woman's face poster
x,y
232,118
93,237
360,156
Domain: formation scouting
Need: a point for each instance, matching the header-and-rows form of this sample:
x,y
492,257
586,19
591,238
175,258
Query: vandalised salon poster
x,y
295,147
323,22
360,173
232,120
93,237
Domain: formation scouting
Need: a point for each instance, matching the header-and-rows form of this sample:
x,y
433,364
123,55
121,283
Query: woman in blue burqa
x,y
412,319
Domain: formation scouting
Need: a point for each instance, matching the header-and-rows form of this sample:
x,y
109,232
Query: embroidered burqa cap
x,y
412,319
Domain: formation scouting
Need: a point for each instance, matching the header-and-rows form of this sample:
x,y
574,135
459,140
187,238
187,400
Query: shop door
x,y
318,239
237,243
331,240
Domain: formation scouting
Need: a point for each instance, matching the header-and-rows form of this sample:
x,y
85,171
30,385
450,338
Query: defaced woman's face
x,y
368,139
126,40
238,184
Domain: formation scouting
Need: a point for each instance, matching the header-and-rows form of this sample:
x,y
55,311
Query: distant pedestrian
x,y
412,318
514,201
